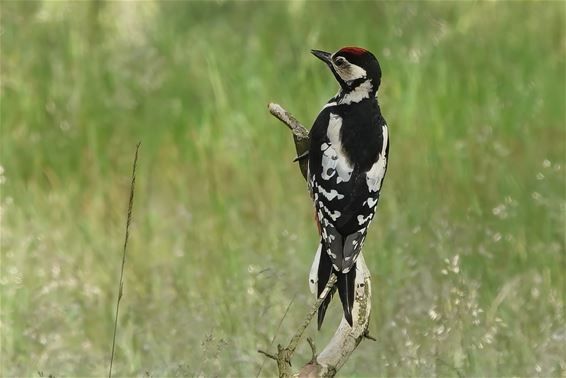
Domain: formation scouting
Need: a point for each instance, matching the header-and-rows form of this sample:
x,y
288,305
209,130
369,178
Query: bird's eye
x,y
339,61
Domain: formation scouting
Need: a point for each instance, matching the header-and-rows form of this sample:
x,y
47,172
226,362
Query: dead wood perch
x,y
335,354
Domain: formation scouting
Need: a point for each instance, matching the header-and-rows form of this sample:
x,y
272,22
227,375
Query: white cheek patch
x,y
351,72
356,72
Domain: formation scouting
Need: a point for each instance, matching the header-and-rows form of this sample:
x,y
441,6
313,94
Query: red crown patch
x,y
353,50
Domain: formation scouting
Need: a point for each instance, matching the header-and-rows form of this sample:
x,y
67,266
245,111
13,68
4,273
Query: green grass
x,y
467,251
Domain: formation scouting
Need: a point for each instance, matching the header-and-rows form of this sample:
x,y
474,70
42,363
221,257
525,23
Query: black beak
x,y
322,55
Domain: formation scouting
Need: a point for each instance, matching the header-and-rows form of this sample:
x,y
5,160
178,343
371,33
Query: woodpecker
x,y
347,161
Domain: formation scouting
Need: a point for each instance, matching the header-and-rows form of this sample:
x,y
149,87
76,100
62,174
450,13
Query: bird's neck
x,y
356,92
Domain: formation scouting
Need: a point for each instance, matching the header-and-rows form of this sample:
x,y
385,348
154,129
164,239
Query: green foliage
x,y
467,251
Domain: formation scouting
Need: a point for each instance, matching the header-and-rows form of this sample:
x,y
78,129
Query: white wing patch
x,y
371,202
344,171
329,162
362,220
334,161
320,217
375,175
334,215
333,131
330,195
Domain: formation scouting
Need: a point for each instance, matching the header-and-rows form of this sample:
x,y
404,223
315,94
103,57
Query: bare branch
x,y
275,335
287,118
300,134
313,349
266,354
284,355
295,340
370,337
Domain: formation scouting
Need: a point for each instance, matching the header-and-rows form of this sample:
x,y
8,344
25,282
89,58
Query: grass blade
x,y
121,285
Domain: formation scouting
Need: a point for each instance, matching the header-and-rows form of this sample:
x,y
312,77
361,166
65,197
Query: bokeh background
x,y
467,250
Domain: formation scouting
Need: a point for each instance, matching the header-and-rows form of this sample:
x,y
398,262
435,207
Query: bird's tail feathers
x,y
347,291
346,284
313,275
324,270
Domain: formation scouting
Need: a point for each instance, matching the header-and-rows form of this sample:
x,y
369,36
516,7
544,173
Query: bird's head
x,y
352,66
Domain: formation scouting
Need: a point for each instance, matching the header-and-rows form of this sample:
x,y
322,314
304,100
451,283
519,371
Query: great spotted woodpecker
x,y
347,161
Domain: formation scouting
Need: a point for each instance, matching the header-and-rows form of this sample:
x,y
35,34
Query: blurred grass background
x,y
467,251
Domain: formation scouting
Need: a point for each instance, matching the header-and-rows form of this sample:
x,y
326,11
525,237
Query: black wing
x,y
338,181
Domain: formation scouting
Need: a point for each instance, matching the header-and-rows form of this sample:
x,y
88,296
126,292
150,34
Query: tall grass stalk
x,y
121,284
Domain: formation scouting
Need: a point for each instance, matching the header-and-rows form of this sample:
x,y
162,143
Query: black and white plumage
x,y
347,161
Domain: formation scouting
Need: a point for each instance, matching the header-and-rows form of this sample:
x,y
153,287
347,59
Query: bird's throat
x,y
361,90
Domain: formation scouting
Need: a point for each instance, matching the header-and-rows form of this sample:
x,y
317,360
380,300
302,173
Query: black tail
x,y
324,270
347,290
